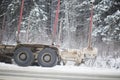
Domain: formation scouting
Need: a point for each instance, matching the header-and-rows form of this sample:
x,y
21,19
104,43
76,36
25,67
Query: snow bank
x,y
62,69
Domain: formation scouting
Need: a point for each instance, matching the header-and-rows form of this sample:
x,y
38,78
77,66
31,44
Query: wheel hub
x,y
47,58
23,56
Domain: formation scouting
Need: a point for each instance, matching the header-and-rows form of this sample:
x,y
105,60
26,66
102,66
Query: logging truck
x,y
44,55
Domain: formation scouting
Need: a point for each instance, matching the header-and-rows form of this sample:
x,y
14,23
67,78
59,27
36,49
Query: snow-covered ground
x,y
67,69
67,72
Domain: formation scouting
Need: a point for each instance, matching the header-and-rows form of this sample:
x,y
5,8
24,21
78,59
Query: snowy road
x,y
25,75
13,72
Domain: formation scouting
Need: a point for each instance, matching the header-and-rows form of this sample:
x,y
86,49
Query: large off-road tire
x,y
23,56
47,58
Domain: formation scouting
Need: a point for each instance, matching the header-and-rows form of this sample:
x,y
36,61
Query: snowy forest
x,y
73,25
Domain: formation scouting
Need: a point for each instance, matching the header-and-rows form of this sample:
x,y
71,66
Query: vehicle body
x,y
27,54
43,55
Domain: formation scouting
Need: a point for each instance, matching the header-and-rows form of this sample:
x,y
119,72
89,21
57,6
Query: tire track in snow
x,y
55,75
